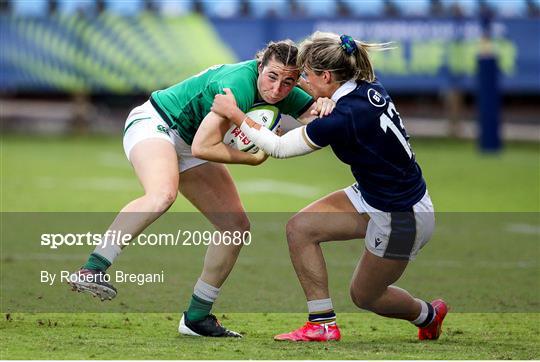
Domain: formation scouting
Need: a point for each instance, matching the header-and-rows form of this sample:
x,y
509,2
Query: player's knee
x,y
361,299
296,231
237,221
162,200
242,223
236,227
299,231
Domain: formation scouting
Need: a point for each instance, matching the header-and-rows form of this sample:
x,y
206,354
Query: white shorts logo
x,y
376,98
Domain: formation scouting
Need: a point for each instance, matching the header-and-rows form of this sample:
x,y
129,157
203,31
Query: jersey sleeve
x,y
328,130
296,103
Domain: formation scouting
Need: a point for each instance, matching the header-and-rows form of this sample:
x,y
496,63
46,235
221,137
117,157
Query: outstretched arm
x,y
294,143
208,143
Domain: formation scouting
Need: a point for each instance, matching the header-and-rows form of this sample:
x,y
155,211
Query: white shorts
x,y
144,122
395,235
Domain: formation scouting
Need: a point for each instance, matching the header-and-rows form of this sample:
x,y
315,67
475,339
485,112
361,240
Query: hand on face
x,y
224,104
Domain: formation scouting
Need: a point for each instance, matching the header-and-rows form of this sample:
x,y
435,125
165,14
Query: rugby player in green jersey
x,y
169,141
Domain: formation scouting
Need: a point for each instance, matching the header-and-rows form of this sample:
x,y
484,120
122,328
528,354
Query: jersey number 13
x,y
386,123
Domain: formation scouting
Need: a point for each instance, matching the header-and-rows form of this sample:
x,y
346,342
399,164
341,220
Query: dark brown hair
x,y
284,51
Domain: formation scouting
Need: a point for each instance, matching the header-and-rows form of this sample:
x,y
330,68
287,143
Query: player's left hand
x,y
224,104
325,106
259,157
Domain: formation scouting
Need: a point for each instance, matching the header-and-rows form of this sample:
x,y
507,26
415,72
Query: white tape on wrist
x,y
289,145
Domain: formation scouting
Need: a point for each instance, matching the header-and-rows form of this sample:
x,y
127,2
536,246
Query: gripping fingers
x,y
260,156
327,107
324,109
331,106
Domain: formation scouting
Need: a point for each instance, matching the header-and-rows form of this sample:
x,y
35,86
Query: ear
x,y
327,76
260,68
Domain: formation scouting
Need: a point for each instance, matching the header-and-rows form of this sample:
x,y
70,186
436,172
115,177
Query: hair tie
x,y
348,44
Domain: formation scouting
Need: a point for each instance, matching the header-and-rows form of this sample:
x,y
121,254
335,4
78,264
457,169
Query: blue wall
x,y
118,54
430,55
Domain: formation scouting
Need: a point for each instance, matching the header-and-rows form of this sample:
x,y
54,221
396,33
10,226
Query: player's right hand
x,y
325,106
224,104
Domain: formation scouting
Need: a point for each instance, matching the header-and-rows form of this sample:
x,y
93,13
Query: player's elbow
x,y
198,150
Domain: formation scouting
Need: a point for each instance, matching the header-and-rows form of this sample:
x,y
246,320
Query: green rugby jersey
x,y
187,103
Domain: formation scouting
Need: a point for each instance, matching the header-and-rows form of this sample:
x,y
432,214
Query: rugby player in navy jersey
x,y
388,205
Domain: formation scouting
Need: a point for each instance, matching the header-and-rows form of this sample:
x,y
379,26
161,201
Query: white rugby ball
x,y
266,115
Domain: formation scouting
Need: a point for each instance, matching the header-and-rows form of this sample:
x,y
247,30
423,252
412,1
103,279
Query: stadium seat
x,y
221,9
413,8
266,8
365,8
30,8
507,9
321,8
128,8
468,7
174,8
70,7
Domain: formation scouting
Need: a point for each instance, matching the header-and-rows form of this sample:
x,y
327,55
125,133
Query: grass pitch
x,y
92,174
495,269
365,336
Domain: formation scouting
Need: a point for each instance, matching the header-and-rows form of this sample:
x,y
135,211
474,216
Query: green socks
x,y
198,308
97,262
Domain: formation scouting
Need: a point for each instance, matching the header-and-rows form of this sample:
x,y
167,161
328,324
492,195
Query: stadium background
x,y
98,57
70,71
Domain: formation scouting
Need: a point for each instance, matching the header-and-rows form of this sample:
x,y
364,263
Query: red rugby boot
x,y
433,330
312,332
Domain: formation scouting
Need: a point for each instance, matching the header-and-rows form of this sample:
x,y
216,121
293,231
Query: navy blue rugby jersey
x,y
366,132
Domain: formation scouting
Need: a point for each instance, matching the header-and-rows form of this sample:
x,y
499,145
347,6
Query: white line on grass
x,y
113,159
261,186
444,264
45,256
523,229
256,186
99,184
485,264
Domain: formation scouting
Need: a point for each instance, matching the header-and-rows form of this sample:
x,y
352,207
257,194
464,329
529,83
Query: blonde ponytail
x,y
345,57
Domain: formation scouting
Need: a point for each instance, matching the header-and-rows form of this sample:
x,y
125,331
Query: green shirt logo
x,y
162,129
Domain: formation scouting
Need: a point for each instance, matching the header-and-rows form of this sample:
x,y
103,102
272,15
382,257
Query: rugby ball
x,y
266,115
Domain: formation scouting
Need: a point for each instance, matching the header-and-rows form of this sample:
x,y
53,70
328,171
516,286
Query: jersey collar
x,y
345,89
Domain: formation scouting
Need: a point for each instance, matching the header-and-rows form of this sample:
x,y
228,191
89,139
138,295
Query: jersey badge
x,y
376,98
